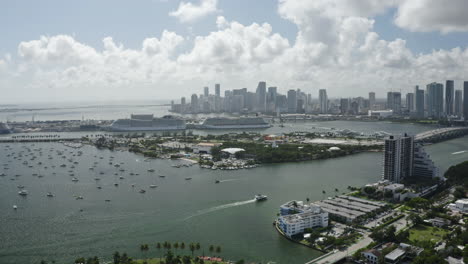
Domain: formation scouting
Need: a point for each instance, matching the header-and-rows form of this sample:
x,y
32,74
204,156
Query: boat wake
x,y
228,180
459,152
220,207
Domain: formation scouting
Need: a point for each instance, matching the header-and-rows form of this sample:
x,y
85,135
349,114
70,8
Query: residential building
x,y
206,91
398,158
372,256
460,205
449,97
423,166
296,223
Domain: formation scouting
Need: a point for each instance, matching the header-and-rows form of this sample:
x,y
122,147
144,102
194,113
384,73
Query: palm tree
x,y
176,246
182,245
192,248
218,250
211,249
336,190
323,194
158,246
307,199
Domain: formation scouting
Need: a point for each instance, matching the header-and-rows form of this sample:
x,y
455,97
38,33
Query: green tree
x,y
192,248
116,257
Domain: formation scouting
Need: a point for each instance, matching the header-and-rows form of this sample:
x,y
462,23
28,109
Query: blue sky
x,y
297,44
129,22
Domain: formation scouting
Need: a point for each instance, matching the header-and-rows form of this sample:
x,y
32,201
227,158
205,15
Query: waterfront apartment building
x,y
423,166
404,158
299,217
449,97
398,158
323,100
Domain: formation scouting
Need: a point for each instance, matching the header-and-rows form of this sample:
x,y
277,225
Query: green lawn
x,y
426,233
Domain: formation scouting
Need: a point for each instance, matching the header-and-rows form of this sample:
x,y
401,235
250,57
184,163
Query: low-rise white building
x,y
460,206
296,223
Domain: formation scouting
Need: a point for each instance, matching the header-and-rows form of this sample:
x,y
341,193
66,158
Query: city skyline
x,y
347,46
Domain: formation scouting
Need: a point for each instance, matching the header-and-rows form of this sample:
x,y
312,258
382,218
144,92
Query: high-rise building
x,y
206,91
217,90
410,102
394,102
419,102
292,101
182,100
323,100
458,103
344,106
449,97
261,97
423,166
435,100
371,100
194,103
398,158
465,100
271,99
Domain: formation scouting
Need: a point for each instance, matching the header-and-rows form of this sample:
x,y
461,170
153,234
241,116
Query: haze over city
x,y
115,50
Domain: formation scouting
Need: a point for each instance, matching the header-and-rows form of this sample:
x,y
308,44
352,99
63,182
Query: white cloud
x,y
335,48
189,12
430,15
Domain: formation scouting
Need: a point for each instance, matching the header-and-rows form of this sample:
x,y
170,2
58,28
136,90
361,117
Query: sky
x,y
88,50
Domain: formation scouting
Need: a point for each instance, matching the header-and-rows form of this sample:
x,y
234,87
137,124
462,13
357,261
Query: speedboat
x,y
162,176
20,186
49,194
151,170
217,181
74,179
23,192
142,191
15,207
79,197
188,178
116,184
260,197
153,186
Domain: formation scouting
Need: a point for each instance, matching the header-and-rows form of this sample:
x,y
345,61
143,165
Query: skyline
x,y
345,47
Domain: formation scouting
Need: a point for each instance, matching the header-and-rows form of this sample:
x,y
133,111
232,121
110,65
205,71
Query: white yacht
x,y
260,197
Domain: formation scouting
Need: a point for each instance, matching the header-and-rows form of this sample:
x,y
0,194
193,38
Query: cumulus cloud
x,y
189,12
336,48
429,15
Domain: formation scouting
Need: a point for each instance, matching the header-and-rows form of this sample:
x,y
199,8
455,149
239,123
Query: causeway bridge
x,y
441,134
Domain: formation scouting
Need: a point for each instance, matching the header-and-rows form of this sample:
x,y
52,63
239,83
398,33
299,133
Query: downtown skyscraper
x,y
435,100
449,97
323,100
